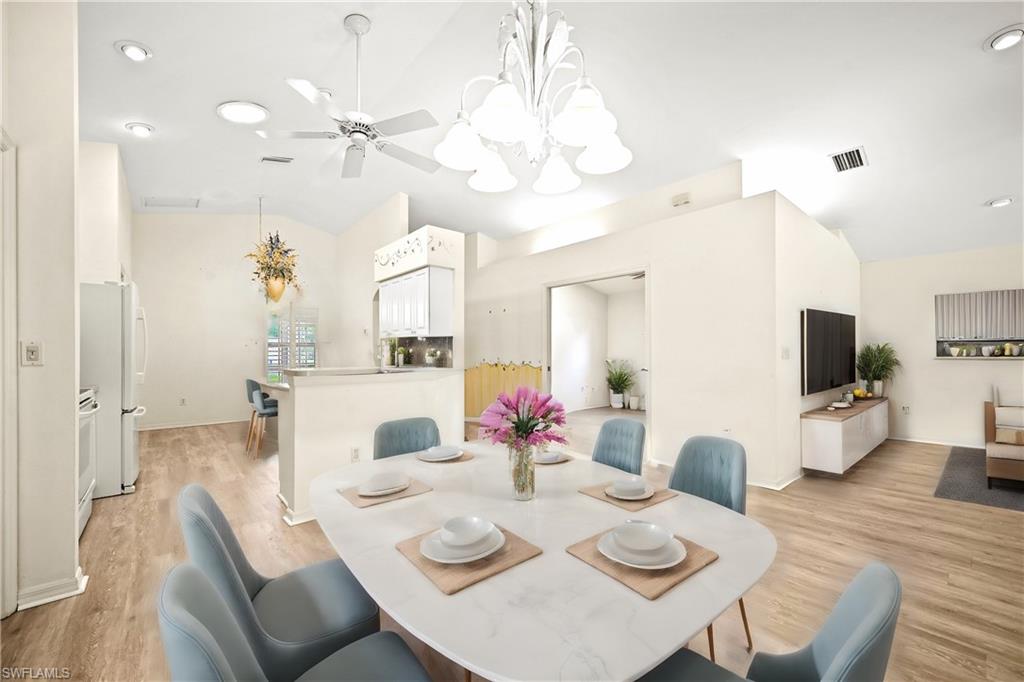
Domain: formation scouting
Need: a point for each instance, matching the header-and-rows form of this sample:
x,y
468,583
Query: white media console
x,y
833,441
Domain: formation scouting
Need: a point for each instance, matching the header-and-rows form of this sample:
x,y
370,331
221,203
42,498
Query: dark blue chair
x,y
403,436
852,646
203,641
715,469
620,443
290,623
263,406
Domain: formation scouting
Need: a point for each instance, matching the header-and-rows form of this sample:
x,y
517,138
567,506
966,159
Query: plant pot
x,y
634,402
877,387
862,385
275,288
401,360
617,400
521,466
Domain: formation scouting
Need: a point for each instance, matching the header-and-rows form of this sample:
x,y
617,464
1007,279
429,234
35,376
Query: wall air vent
x,y
850,159
276,159
171,202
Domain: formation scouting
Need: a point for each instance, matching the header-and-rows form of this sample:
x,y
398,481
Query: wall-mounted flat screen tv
x,y
829,349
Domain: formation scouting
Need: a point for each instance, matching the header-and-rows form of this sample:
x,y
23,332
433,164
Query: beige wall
x,y
207,318
627,334
104,214
579,346
944,396
41,116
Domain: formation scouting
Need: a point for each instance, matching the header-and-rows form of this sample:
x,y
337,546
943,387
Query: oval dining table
x,y
553,617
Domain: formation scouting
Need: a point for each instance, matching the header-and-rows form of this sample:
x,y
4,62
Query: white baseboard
x,y
53,591
189,425
293,518
975,446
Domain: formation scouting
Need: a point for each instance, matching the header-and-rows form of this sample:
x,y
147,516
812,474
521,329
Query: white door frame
x,y
8,379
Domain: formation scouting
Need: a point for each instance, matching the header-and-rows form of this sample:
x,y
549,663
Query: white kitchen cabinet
x,y
419,303
835,441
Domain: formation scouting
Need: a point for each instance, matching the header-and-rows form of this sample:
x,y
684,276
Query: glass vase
x,y
521,466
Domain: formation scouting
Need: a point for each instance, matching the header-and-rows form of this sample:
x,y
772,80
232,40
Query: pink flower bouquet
x,y
525,419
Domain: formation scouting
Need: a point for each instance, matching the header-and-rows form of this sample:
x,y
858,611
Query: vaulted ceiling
x,y
693,86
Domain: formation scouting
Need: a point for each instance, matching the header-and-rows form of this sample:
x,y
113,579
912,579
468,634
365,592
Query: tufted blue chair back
x,y
402,436
713,468
620,444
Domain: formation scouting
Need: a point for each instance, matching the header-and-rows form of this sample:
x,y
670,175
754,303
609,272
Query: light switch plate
x,y
31,353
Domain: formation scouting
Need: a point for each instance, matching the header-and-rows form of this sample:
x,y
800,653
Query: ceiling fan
x,y
358,128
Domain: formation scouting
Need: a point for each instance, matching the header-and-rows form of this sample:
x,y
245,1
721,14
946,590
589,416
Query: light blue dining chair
x,y
620,443
291,622
715,469
203,641
403,436
852,646
263,406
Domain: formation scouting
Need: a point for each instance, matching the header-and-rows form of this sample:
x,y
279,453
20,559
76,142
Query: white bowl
x,y
634,485
385,480
641,536
465,530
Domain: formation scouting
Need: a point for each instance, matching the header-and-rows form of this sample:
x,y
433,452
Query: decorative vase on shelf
x,y
877,387
275,288
634,402
521,466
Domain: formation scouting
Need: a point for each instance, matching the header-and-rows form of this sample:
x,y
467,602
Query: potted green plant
x,y
620,378
877,363
402,355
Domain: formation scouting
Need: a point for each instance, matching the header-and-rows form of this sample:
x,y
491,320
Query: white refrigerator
x,y
113,360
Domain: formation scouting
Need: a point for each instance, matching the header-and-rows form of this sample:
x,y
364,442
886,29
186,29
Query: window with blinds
x,y
291,340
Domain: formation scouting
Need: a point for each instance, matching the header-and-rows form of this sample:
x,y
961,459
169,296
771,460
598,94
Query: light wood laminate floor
x,y
962,565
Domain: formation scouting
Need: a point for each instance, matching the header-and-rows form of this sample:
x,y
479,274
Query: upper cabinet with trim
x,y
419,303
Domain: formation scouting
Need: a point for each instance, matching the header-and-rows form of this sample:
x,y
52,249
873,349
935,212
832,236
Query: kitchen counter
x,y
360,371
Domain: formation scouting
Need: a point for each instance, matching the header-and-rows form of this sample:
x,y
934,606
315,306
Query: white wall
x,y
207,318
104,214
814,268
944,396
627,334
579,346
41,116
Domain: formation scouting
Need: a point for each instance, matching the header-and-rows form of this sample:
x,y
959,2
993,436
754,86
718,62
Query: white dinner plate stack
x,y
439,453
384,483
462,539
630,489
550,457
641,544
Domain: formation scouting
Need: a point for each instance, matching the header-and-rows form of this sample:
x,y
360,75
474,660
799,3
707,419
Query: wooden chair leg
x,y
261,425
711,641
746,626
467,676
252,429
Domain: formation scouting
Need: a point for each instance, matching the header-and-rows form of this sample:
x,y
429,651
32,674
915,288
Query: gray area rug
x,y
964,479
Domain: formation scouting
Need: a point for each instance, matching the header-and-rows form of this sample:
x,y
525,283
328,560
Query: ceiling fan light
x,y
584,118
604,155
556,176
502,117
461,148
492,174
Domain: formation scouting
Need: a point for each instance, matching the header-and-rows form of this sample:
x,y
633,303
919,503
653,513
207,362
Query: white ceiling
x,y
694,86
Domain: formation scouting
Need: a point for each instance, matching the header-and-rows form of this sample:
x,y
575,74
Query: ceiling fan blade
x,y
297,135
424,163
354,156
406,123
331,168
312,94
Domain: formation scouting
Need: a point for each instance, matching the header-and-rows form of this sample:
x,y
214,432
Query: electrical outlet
x,y
355,455
31,353
182,402
905,409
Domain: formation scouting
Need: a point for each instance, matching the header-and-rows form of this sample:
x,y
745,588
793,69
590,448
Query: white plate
x,y
382,493
439,453
647,494
555,458
435,550
666,557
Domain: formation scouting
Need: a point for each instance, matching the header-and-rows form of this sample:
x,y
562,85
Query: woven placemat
x,y
597,492
464,457
353,496
651,584
452,578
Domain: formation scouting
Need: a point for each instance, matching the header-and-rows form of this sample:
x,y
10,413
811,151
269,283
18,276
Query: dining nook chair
x,y
852,646
620,443
715,469
262,408
402,436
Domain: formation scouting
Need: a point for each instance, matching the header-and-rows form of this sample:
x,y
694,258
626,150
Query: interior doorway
x,y
597,325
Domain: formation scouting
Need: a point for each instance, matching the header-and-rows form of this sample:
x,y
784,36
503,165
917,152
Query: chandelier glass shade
x,y
518,111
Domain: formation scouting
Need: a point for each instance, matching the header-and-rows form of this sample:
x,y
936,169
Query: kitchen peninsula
x,y
327,416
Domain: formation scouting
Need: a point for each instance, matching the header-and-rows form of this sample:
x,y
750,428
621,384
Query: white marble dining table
x,y
553,617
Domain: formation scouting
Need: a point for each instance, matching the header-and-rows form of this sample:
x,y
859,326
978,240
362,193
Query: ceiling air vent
x,y
276,159
170,202
850,159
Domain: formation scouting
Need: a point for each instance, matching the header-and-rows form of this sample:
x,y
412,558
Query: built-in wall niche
x,y
985,325
425,351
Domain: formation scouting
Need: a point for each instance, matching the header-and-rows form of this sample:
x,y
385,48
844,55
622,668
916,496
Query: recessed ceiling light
x,y
1000,202
137,52
1004,38
325,93
139,129
242,112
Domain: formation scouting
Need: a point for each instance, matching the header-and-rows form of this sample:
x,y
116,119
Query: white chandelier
x,y
519,111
